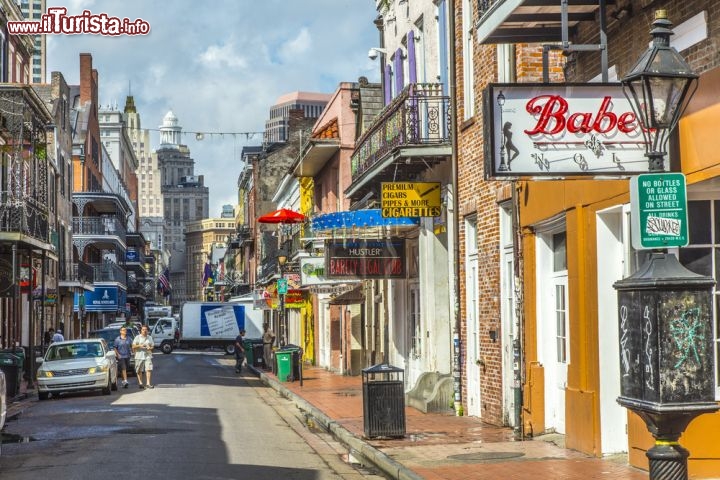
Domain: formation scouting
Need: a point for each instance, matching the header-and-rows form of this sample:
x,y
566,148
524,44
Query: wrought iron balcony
x,y
420,115
109,272
77,272
99,226
26,217
24,204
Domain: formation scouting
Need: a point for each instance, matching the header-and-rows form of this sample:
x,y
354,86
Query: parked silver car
x,y
74,365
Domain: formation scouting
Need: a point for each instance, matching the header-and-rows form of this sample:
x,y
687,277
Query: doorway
x,y
553,323
472,326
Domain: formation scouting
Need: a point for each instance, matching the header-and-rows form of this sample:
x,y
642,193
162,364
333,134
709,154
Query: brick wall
x,y
479,197
629,35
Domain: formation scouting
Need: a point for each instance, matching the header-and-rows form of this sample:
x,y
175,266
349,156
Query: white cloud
x,y
296,46
216,56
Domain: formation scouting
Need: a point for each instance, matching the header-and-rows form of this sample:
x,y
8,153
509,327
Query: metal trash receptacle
x,y
258,352
383,401
12,366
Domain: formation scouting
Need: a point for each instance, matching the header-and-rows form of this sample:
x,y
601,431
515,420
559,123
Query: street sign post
x,y
658,203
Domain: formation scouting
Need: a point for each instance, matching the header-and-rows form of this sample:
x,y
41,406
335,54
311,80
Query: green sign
x,y
282,286
658,203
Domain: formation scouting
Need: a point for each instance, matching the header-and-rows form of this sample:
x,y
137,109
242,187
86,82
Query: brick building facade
x,y
487,384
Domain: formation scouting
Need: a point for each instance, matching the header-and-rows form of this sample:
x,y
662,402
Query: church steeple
x,y
130,104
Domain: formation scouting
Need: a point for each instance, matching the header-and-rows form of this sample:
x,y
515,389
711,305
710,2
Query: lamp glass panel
x,y
667,93
637,91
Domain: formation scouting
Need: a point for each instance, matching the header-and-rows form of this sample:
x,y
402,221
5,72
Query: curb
x,y
18,404
358,446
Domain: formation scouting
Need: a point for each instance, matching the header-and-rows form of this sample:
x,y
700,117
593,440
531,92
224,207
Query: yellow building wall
x,y
580,200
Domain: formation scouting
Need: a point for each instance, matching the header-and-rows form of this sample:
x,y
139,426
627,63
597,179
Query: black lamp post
x,y
282,260
503,167
659,88
664,310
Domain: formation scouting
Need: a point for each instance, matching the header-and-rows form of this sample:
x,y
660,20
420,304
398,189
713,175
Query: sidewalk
x,y
439,446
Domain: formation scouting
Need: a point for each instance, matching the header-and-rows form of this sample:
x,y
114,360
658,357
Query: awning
x,y
352,297
359,218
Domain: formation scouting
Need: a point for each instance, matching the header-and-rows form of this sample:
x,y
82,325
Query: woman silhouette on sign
x,y
509,145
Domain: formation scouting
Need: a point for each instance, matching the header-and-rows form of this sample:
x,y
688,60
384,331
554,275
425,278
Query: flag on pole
x,y
207,274
164,283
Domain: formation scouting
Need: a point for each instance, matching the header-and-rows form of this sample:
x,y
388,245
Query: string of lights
x,y
200,135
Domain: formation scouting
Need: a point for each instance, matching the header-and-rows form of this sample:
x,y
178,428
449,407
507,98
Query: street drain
x,y
485,456
12,438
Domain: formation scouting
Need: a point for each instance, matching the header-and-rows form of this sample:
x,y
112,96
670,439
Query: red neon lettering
x,y
554,109
551,111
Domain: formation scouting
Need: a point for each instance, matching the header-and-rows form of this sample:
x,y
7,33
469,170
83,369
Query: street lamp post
x,y
282,260
659,88
664,310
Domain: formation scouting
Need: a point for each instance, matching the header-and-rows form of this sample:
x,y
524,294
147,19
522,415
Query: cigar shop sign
x,y
561,130
365,258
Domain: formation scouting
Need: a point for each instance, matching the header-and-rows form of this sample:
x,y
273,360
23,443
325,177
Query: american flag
x,y
164,282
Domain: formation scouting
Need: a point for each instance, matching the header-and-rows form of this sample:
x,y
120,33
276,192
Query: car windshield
x,y
67,351
110,334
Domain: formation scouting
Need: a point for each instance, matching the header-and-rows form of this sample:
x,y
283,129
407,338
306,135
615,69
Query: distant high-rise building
x,y
32,10
228,211
312,104
185,199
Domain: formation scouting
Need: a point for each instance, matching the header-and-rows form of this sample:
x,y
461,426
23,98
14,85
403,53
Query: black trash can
x,y
383,401
12,366
257,352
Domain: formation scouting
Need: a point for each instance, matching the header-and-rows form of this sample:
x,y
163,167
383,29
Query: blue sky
x,y
220,65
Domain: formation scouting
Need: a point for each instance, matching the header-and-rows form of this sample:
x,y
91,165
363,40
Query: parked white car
x,y
74,365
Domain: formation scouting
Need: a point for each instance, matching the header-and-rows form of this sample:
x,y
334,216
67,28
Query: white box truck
x,y
216,324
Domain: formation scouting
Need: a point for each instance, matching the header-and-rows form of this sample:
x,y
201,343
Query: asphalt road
x,y
201,421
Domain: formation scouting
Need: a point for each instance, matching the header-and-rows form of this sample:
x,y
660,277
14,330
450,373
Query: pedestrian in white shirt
x,y
143,347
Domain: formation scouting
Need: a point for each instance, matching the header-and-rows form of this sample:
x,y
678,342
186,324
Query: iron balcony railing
x,y
109,272
79,272
419,115
27,217
99,226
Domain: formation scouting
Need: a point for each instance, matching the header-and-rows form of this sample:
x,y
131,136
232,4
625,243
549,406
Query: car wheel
x,y
166,347
230,349
43,395
106,390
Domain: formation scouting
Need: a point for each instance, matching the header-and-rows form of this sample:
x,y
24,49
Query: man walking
x,y
143,346
58,336
239,351
268,338
123,348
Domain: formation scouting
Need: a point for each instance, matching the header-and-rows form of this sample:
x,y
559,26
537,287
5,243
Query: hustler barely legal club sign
x,y
561,130
365,258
